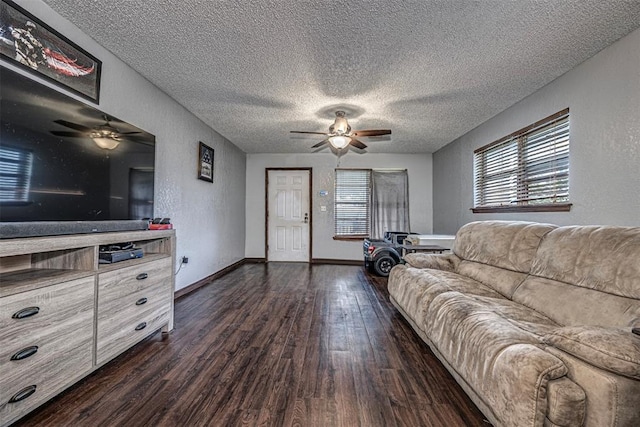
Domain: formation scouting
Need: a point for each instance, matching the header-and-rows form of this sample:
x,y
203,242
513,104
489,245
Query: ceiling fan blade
x,y
140,141
357,144
68,134
372,132
129,133
144,138
71,125
321,143
312,133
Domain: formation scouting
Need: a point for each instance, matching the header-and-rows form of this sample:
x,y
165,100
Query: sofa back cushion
x,y
574,305
605,259
504,244
499,279
586,275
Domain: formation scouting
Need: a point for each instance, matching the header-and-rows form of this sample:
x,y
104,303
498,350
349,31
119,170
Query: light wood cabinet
x,y
63,314
131,302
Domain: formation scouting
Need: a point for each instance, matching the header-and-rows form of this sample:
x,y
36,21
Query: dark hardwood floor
x,y
279,344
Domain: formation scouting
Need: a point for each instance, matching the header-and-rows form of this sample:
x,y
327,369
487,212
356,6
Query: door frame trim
x,y
266,211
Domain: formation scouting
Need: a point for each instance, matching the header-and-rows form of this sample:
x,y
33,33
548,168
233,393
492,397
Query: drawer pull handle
x,y
141,326
141,301
25,352
142,276
26,312
23,394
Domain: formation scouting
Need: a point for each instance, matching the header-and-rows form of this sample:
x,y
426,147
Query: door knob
x,y
306,218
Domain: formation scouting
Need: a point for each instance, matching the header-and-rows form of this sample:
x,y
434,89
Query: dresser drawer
x,y
116,285
36,353
52,348
130,325
45,315
50,375
132,303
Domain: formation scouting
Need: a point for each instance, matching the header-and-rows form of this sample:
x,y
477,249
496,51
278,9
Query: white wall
x,y
209,218
323,166
603,95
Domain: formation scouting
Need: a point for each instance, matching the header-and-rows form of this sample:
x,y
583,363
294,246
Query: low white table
x,y
408,249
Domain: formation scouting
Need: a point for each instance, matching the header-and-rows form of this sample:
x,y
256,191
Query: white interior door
x,y
288,213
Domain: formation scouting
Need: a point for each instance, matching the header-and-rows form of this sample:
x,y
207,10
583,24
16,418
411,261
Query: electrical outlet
x,y
185,260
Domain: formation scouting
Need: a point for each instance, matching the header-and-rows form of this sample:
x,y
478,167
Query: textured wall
x,y
324,164
603,95
209,218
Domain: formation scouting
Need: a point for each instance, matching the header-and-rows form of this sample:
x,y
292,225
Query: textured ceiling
x,y
429,70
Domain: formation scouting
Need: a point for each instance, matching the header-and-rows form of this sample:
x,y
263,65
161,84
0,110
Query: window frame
x,y
519,139
336,235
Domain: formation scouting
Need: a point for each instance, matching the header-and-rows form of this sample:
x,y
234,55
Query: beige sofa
x,y
533,320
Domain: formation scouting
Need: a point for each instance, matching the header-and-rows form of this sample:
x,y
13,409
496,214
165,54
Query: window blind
x,y
529,167
15,175
352,201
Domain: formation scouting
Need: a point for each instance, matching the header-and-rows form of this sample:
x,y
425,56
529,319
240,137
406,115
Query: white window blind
x,y
352,201
15,175
527,168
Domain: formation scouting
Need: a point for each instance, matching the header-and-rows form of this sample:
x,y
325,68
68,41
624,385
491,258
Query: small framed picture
x,y
205,163
34,46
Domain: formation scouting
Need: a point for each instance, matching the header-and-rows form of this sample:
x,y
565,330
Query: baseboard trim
x,y
200,283
336,261
313,261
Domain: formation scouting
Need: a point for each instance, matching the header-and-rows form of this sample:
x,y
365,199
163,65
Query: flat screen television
x,y
55,178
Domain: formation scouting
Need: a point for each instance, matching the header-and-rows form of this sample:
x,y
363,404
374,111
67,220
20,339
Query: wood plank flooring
x,y
278,344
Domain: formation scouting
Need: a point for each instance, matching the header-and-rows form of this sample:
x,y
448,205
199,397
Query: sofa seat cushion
x,y
469,324
414,288
520,316
612,349
502,358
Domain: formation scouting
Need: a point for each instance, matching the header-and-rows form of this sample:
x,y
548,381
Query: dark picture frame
x,y
32,45
205,162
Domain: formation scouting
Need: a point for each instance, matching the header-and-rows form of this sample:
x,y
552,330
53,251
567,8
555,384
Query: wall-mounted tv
x,y
54,167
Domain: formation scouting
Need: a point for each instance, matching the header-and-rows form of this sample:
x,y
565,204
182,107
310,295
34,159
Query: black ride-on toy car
x,y
381,255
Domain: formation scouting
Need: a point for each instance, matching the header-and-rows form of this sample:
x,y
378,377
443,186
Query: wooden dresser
x,y
63,314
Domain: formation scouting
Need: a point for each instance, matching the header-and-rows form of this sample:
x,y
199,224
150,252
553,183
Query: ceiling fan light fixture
x,y
106,143
339,141
340,126
105,138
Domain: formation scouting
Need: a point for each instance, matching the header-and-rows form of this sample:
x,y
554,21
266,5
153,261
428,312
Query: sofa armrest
x,y
446,262
566,402
615,350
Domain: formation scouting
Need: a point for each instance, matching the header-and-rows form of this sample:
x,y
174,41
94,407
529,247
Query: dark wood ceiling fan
x,y
340,134
109,135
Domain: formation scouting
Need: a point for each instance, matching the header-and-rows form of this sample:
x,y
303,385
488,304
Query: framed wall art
x,y
205,163
34,46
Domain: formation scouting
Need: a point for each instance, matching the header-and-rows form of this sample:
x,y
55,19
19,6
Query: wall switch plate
x,y
323,208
